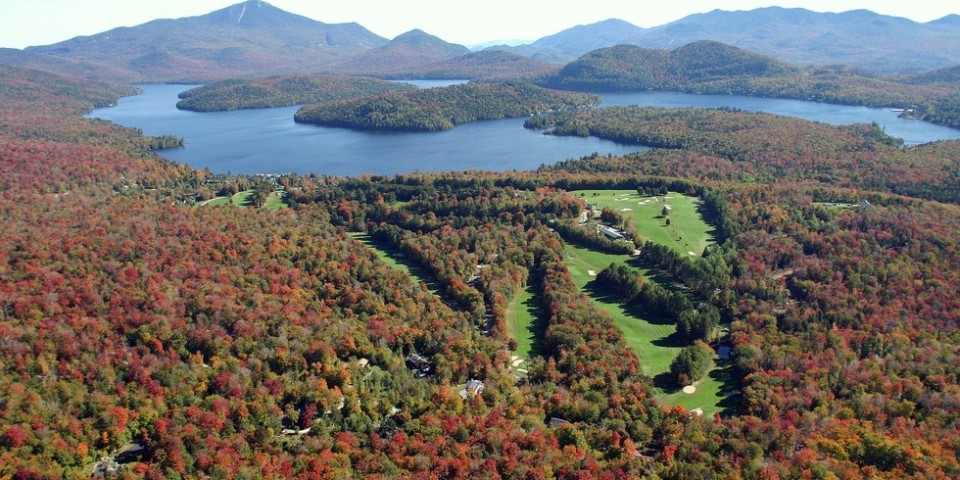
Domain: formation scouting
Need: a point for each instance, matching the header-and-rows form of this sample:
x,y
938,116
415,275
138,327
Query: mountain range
x,y
857,38
249,38
256,38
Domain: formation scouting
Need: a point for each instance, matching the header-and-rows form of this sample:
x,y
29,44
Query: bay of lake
x,y
269,141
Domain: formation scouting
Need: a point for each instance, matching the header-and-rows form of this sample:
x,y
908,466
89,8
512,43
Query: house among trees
x,y
474,387
557,422
420,366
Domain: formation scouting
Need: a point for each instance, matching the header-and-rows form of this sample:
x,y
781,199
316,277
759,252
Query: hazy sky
x,y
41,22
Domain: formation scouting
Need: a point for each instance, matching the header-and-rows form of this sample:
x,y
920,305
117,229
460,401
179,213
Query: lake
x,y
269,141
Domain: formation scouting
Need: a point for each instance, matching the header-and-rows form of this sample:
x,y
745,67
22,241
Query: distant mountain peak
x,y
252,37
415,34
949,20
419,38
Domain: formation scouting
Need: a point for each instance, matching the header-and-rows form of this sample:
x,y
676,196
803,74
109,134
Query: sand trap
x,y
592,273
689,389
518,362
668,207
626,209
692,253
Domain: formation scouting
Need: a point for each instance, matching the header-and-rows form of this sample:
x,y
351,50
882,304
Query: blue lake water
x,y
269,141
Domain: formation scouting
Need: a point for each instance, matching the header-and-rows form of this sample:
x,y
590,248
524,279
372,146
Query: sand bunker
x,y
592,273
689,389
692,253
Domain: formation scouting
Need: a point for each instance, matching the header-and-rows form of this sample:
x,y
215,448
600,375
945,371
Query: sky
x,y
41,22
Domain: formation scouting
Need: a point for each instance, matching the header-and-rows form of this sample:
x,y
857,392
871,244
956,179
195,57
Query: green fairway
x,y
709,396
213,202
523,315
647,337
416,274
687,231
652,339
242,199
275,201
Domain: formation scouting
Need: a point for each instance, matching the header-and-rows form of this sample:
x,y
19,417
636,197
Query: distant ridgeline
x,y
438,109
282,91
707,67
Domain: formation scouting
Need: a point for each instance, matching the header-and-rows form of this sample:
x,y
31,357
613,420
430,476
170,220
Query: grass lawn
x,y
275,201
687,231
651,338
213,202
242,199
524,322
416,274
709,395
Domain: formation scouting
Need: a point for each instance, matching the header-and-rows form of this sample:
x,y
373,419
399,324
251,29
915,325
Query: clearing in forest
x,y
525,322
686,232
652,338
396,260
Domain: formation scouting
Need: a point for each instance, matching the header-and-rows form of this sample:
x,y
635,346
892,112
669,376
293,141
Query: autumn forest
x,y
757,297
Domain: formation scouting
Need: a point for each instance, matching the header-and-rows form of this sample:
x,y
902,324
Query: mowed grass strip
x,y
649,338
275,201
416,274
242,199
215,202
654,340
710,396
525,322
687,232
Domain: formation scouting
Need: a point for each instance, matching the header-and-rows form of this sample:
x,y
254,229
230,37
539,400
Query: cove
x,y
269,141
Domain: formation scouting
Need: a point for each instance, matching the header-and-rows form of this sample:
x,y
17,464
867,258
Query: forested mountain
x,y
64,66
946,75
858,38
256,38
252,37
436,109
487,65
282,91
627,67
227,342
706,67
407,52
566,46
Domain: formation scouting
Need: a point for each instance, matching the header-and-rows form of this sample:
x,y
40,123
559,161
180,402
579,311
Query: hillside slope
x,y
247,38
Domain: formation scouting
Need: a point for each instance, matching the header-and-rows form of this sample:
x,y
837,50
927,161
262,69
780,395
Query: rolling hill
x,y
484,65
706,67
247,38
282,91
859,38
628,67
567,45
407,52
